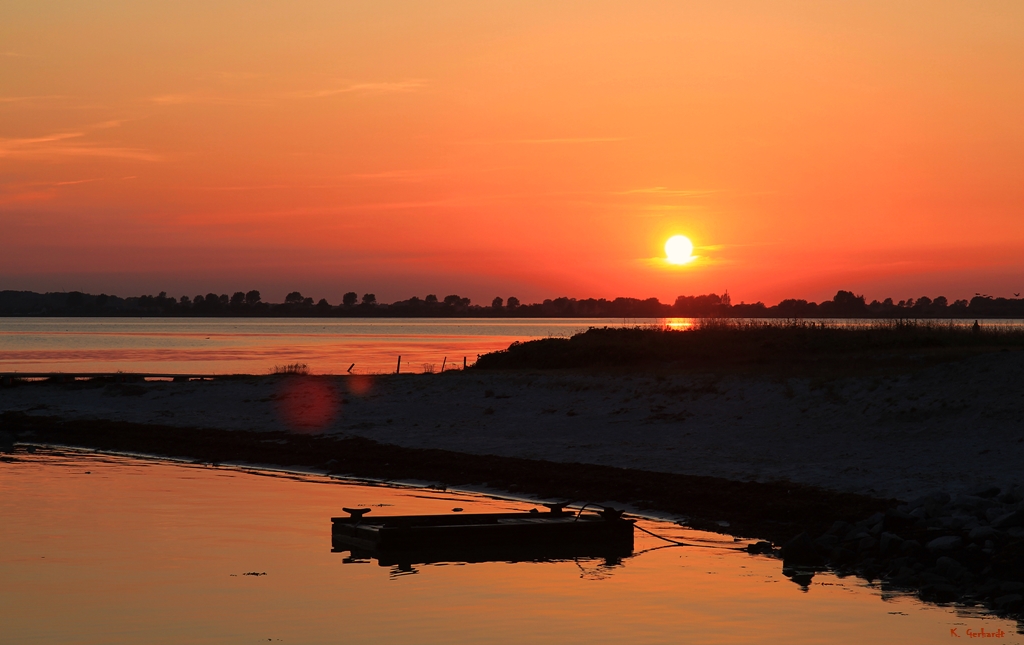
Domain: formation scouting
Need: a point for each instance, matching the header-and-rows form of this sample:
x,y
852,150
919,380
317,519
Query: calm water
x,y
99,549
256,346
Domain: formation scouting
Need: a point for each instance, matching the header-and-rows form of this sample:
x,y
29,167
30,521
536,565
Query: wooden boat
x,y
478,537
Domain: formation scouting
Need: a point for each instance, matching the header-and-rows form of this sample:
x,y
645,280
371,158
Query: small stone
x,y
801,550
1015,518
1009,602
939,593
910,547
986,492
889,543
944,544
982,533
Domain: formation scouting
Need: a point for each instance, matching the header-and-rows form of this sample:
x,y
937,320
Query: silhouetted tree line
x,y
845,304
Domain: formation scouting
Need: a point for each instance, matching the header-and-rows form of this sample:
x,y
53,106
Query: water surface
x,y
101,549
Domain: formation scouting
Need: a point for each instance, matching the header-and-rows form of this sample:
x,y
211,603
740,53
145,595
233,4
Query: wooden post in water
x,y
350,368
443,363
398,370
463,362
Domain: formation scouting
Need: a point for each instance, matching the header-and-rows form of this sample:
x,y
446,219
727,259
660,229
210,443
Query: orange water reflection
x,y
111,550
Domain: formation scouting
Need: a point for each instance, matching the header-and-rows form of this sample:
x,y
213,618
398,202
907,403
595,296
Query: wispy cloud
x,y
661,190
14,55
25,99
265,99
206,99
555,140
66,144
368,88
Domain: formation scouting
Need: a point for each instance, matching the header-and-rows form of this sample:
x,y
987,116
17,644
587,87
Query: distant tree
x,y
452,300
350,298
513,302
184,301
75,299
293,298
369,299
323,305
224,300
923,302
252,297
308,302
431,299
941,302
103,299
496,303
211,299
237,299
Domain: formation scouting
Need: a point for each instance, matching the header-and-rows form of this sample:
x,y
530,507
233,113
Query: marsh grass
x,y
787,345
295,368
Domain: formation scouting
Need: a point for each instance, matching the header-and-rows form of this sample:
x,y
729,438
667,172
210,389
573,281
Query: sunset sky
x,y
534,149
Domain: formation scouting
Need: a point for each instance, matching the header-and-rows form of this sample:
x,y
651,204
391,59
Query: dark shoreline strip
x,y
774,511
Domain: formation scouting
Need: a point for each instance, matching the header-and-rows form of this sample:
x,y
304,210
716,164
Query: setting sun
x,y
679,249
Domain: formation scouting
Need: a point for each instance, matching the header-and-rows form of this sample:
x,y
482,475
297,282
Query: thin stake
x,y
443,363
398,370
350,367
463,362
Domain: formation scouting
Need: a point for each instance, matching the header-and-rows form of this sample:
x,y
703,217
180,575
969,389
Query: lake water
x,y
257,345
107,549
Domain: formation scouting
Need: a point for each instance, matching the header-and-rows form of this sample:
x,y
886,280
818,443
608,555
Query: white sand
x,y
952,427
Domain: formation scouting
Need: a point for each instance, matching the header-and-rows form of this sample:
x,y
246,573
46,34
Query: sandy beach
x,y
953,427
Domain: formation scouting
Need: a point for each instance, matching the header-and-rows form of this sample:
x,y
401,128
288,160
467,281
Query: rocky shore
x,y
967,549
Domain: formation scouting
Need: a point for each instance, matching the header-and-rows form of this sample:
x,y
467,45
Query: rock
x,y
986,492
897,520
801,551
1013,496
949,568
939,593
889,544
972,503
874,519
994,513
827,542
1009,602
840,528
1014,518
866,544
760,548
906,576
945,544
910,547
856,535
982,533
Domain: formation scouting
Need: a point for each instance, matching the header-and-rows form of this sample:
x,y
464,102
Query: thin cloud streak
x,y
545,141
661,190
266,99
401,86
40,147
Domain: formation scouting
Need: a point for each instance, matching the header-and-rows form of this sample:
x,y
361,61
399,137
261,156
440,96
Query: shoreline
x,y
773,511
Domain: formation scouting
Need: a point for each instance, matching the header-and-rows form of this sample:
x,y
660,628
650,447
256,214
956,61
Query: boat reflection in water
x,y
558,534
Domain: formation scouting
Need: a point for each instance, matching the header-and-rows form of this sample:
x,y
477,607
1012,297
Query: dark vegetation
x,y
724,344
844,305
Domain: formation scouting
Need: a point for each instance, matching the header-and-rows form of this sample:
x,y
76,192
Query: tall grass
x,y
295,368
716,342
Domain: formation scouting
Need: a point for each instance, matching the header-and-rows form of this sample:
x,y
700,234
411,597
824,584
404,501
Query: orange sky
x,y
534,149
